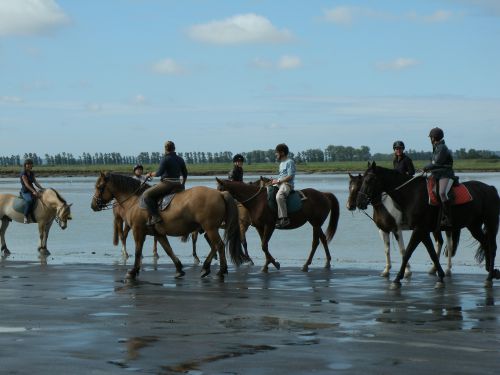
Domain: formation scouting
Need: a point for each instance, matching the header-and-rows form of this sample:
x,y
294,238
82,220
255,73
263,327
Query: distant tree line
x,y
330,153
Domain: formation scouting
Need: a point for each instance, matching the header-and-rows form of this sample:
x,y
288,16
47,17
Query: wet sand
x,y
84,318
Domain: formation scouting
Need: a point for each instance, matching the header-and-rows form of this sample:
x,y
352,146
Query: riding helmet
x,y
436,133
398,144
238,157
138,166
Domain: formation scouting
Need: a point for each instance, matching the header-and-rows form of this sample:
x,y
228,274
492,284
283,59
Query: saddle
x,y
293,201
459,194
162,203
19,204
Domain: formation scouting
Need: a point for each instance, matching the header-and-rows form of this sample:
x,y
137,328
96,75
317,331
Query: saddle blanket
x,y
293,201
19,204
162,205
459,193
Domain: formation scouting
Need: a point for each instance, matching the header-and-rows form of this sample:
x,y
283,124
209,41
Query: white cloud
x,y
10,99
239,29
168,66
139,99
30,17
289,62
398,64
284,63
346,15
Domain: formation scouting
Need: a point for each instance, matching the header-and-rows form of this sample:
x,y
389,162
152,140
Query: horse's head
x,y
354,186
370,189
102,195
239,190
51,198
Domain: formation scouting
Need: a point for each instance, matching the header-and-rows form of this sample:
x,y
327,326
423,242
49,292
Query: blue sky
x,y
127,75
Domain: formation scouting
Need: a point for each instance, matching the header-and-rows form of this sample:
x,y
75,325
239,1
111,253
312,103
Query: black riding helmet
x,y
238,157
436,133
138,166
398,144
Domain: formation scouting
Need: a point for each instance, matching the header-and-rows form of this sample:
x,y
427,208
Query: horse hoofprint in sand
x,y
50,206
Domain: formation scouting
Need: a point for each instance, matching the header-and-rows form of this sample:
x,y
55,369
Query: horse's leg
x,y
243,237
265,234
3,229
386,238
324,242
43,230
194,239
426,240
163,240
438,238
314,246
123,237
155,248
217,246
449,251
398,235
139,237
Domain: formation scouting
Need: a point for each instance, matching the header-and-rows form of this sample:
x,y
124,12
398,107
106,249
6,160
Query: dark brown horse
x,y
315,210
411,195
389,219
198,208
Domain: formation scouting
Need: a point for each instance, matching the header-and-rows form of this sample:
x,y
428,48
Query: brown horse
x,y
198,208
315,210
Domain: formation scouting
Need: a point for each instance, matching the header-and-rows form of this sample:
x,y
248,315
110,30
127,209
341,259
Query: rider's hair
x,y
27,162
282,148
169,146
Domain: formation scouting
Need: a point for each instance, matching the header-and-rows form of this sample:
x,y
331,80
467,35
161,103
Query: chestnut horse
x,y
389,219
315,210
198,208
411,195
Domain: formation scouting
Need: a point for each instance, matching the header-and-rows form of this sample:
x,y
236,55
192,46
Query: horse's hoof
x,y
179,274
432,271
43,251
448,273
131,275
384,274
439,285
488,283
196,261
205,272
305,268
395,285
156,256
408,274
277,265
264,269
328,266
6,252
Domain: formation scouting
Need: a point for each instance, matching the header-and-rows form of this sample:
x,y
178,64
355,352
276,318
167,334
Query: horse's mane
x,y
127,184
58,196
393,173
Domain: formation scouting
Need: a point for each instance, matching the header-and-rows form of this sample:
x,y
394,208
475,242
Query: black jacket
x,y
172,166
442,161
236,174
404,165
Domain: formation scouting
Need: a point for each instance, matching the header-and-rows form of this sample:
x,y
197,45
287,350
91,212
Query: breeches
x,y
30,202
445,185
158,191
283,192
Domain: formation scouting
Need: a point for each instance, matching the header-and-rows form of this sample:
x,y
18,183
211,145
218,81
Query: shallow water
x,y
88,238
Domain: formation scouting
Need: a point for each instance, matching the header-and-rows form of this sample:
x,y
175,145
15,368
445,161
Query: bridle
x,y
110,205
261,187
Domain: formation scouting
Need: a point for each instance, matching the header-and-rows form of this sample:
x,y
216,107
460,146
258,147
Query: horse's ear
x,y
71,204
102,174
374,164
218,181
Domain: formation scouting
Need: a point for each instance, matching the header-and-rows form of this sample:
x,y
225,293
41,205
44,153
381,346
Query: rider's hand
x,y
274,182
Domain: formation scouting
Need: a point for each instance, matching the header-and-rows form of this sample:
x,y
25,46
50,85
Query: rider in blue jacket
x,y
28,191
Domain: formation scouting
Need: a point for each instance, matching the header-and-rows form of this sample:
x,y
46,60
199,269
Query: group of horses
x,y
400,202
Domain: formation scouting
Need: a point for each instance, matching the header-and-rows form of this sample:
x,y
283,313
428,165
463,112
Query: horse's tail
x,y
334,216
232,237
491,224
186,237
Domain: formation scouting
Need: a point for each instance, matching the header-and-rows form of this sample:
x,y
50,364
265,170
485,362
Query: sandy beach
x,y
85,319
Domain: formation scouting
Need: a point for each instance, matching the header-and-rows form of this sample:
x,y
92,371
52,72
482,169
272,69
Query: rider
x,y
28,191
285,181
236,174
441,167
402,162
171,168
138,173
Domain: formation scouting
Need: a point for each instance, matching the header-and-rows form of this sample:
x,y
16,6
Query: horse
x,y
49,206
198,208
410,193
315,210
389,219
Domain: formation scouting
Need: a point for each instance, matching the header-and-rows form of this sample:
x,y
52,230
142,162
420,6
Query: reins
x,y
110,205
407,182
253,196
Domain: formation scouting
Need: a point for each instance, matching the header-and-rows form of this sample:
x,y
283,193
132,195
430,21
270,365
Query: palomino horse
x,y
411,195
198,208
49,206
315,210
389,219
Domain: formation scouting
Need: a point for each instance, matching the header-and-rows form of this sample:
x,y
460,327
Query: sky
x,y
227,75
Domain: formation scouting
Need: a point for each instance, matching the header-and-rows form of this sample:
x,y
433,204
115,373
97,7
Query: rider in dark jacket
x,y
441,167
236,174
172,167
402,162
28,191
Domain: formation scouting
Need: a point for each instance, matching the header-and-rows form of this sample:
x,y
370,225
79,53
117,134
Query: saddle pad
x,y
459,192
293,201
19,205
162,205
